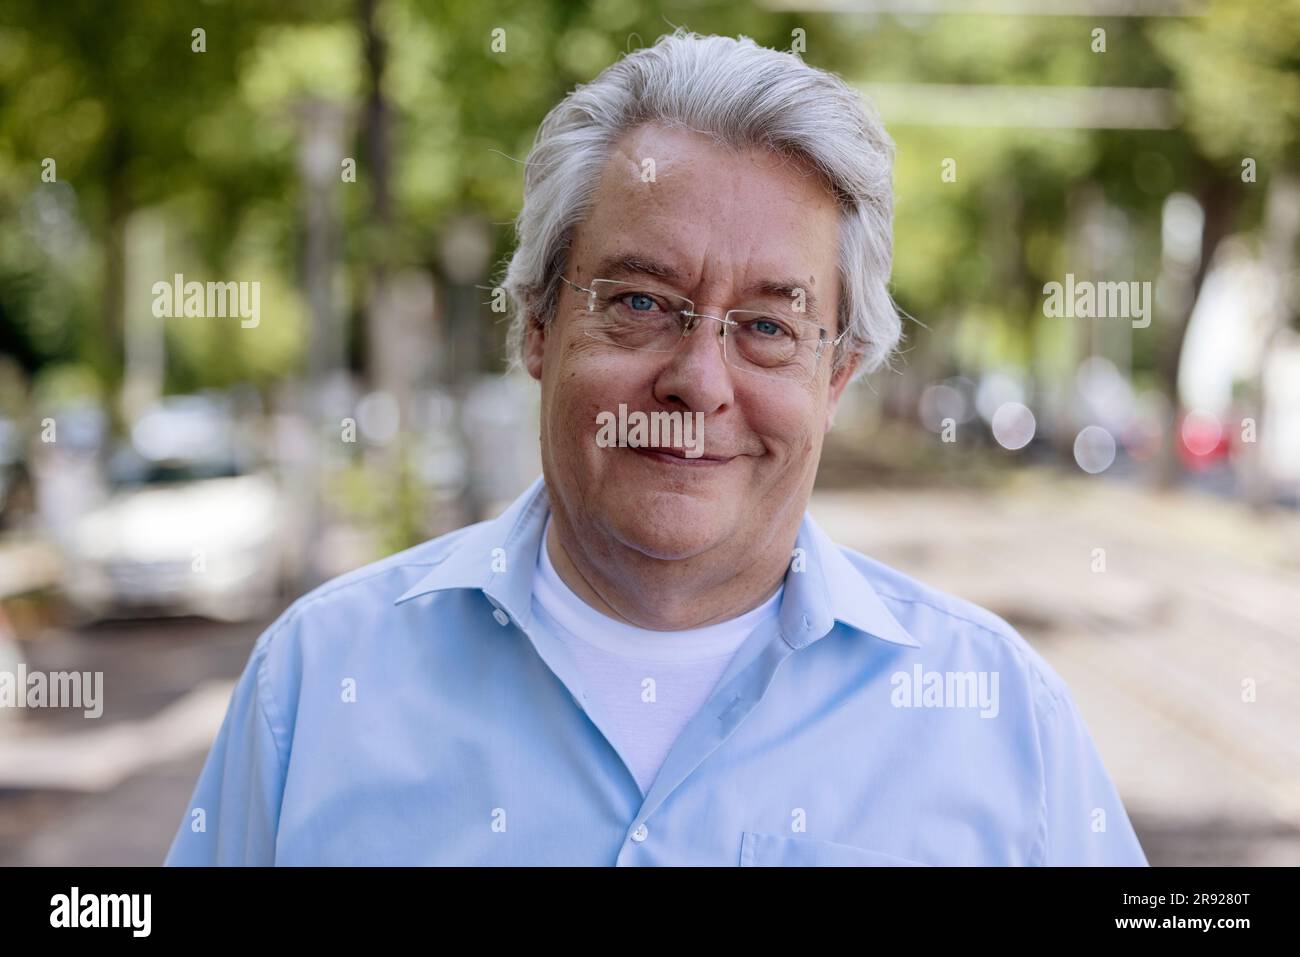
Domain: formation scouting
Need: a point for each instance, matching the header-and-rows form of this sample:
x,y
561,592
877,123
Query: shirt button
x,y
502,618
640,834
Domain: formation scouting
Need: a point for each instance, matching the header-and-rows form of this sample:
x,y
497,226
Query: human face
x,y
724,224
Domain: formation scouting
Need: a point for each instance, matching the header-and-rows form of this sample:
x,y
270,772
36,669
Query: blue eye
x,y
767,327
640,302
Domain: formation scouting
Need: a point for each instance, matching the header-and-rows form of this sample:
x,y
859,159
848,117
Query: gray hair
x,y
746,96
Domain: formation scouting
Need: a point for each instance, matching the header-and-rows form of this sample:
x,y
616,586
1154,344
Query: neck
x,y
667,594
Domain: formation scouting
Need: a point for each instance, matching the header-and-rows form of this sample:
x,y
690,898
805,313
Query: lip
x,y
678,457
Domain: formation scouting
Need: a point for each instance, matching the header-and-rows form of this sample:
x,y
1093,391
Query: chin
x,y
668,525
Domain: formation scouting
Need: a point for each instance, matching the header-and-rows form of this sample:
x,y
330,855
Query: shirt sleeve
x,y
1084,822
234,813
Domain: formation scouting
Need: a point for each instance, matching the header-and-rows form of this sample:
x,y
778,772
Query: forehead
x,y
713,212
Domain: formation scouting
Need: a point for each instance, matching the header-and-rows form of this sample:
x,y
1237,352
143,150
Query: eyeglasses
x,y
774,342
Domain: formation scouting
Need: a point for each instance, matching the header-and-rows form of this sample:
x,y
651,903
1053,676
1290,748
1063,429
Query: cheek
x,y
588,380
789,427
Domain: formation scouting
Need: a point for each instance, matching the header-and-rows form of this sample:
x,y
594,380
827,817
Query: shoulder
x,y
954,629
339,627
364,595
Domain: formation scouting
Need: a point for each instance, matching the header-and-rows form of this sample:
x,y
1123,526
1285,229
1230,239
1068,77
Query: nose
x,y
697,375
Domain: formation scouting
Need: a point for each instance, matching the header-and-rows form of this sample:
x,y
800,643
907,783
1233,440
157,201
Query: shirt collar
x,y
822,587
497,557
830,589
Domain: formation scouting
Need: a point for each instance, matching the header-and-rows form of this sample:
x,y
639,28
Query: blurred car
x,y
1203,442
191,525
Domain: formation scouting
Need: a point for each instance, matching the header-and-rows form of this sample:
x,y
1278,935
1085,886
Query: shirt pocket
x,y
769,850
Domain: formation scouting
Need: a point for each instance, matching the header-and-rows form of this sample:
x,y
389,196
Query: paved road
x,y
113,790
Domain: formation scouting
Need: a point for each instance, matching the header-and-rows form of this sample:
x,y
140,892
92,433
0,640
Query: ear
x,y
534,347
839,380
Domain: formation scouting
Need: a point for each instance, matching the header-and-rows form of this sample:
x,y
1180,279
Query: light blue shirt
x,y
413,712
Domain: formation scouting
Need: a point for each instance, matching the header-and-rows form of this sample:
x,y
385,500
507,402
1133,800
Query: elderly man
x,y
655,656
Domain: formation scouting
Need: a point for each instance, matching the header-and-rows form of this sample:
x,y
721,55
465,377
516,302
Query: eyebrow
x,y
619,266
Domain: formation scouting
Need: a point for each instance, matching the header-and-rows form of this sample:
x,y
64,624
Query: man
x,y
655,656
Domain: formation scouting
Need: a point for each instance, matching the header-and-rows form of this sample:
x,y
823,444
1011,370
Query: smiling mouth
x,y
678,457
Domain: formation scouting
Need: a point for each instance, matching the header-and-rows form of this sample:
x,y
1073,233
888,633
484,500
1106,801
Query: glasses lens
x,y
773,343
635,316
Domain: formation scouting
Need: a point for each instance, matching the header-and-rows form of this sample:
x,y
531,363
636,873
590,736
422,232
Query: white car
x,y
180,535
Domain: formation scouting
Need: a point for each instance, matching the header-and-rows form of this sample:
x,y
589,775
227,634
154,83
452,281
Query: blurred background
x,y
1125,493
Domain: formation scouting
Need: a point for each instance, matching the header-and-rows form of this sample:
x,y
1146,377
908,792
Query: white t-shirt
x,y
649,684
